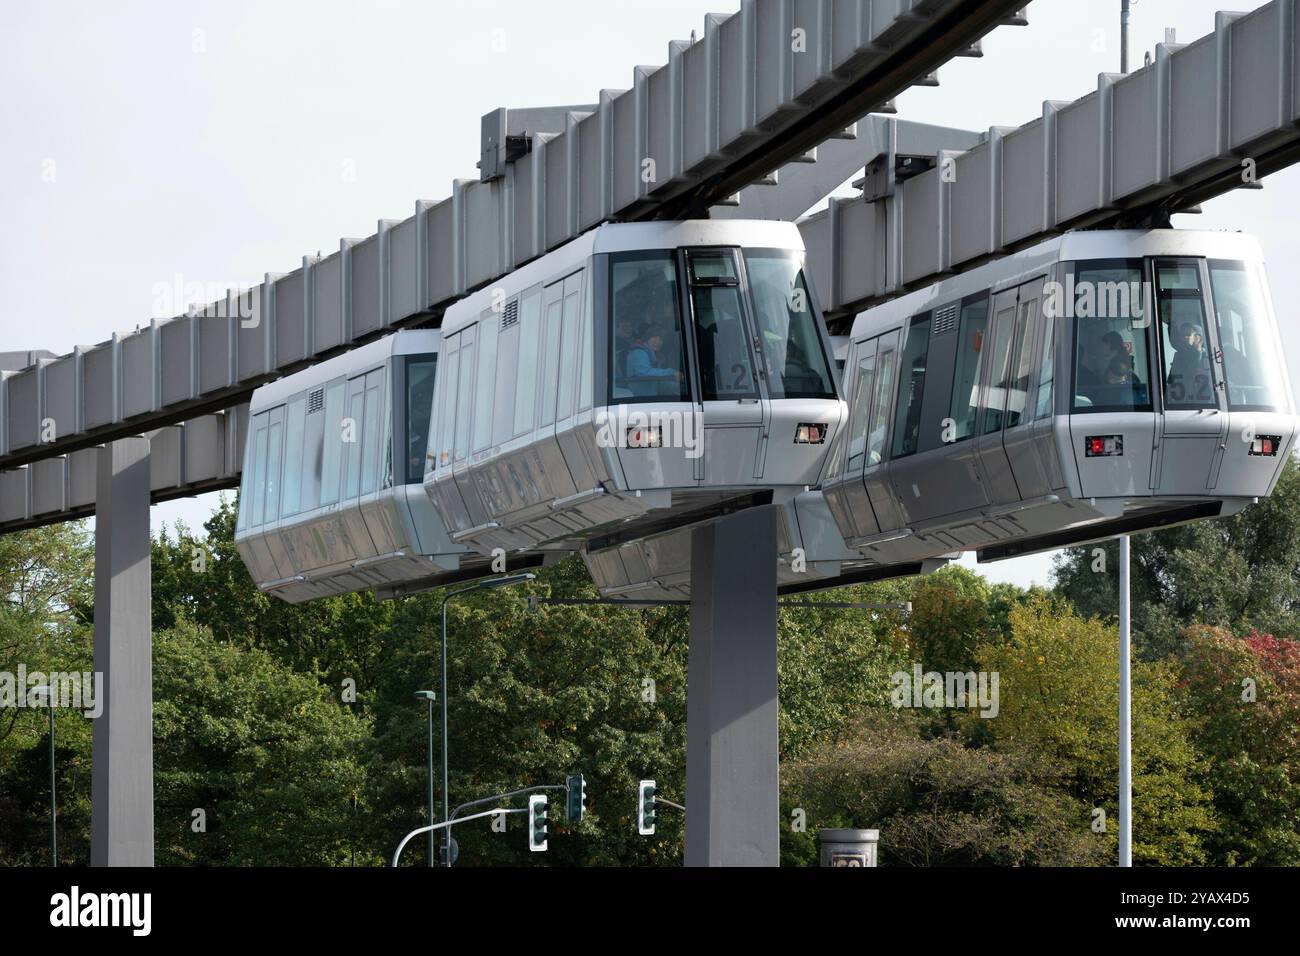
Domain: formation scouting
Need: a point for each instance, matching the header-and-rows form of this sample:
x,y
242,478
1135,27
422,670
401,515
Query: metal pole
x,y
54,803
431,841
1125,714
446,809
1125,11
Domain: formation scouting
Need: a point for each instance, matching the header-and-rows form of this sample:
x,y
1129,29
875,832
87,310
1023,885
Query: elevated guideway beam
x,y
1198,121
759,88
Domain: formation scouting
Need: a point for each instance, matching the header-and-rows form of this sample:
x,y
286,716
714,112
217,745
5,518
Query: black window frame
x,y
1140,265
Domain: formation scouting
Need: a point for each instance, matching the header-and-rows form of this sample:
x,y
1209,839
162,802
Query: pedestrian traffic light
x,y
645,807
537,822
576,798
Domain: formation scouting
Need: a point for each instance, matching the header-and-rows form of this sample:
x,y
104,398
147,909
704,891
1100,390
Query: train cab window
x,y
1189,381
911,386
973,330
880,407
1110,339
647,354
726,363
1250,355
1043,407
420,376
792,348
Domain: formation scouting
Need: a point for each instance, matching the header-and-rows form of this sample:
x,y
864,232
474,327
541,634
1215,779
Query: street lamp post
x,y
478,586
48,691
431,697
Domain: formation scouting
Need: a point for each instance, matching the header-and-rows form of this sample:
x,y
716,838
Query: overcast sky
x,y
218,141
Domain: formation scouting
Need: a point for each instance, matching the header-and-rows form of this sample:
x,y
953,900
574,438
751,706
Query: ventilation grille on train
x,y
511,315
945,320
316,400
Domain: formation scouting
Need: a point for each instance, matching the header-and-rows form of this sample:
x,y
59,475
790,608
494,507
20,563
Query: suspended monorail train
x,y
1095,384
643,377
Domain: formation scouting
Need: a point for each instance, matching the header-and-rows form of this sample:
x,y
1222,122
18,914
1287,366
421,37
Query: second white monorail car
x,y
331,498
1095,384
642,377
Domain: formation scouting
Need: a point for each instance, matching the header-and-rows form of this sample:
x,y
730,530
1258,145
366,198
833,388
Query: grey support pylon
x,y
121,792
732,806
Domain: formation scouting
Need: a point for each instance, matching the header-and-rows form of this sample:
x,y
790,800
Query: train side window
x,y
1043,407
994,393
370,425
1250,352
1022,370
293,456
421,375
973,331
1110,341
863,389
551,361
880,408
449,356
569,345
530,323
585,356
253,496
911,386
274,452
464,395
351,434
332,444
647,347
503,402
485,383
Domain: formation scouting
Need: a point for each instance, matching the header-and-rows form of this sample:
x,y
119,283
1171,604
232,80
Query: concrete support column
x,y
121,820
732,807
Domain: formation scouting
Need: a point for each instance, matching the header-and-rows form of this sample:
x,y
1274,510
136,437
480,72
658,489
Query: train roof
x,y
360,359
1013,269
625,237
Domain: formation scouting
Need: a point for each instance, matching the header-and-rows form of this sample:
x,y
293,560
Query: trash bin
x,y
848,847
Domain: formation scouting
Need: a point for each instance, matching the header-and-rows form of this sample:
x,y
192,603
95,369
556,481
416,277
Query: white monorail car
x,y
1095,384
644,376
331,498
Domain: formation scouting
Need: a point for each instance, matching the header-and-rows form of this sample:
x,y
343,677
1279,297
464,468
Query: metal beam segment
x,y
759,89
1199,120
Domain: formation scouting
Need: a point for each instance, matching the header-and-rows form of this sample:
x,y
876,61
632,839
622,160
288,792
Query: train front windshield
x,y
747,313
1198,306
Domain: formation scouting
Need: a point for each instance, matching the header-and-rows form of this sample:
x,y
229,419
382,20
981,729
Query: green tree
x,y
935,801
1245,697
1059,701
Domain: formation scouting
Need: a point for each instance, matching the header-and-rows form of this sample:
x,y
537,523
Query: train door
x,y
1193,424
875,469
1027,449
990,454
734,406
354,450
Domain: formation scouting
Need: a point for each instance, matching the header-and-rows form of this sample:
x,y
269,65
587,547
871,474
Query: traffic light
x,y
645,807
537,822
576,799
